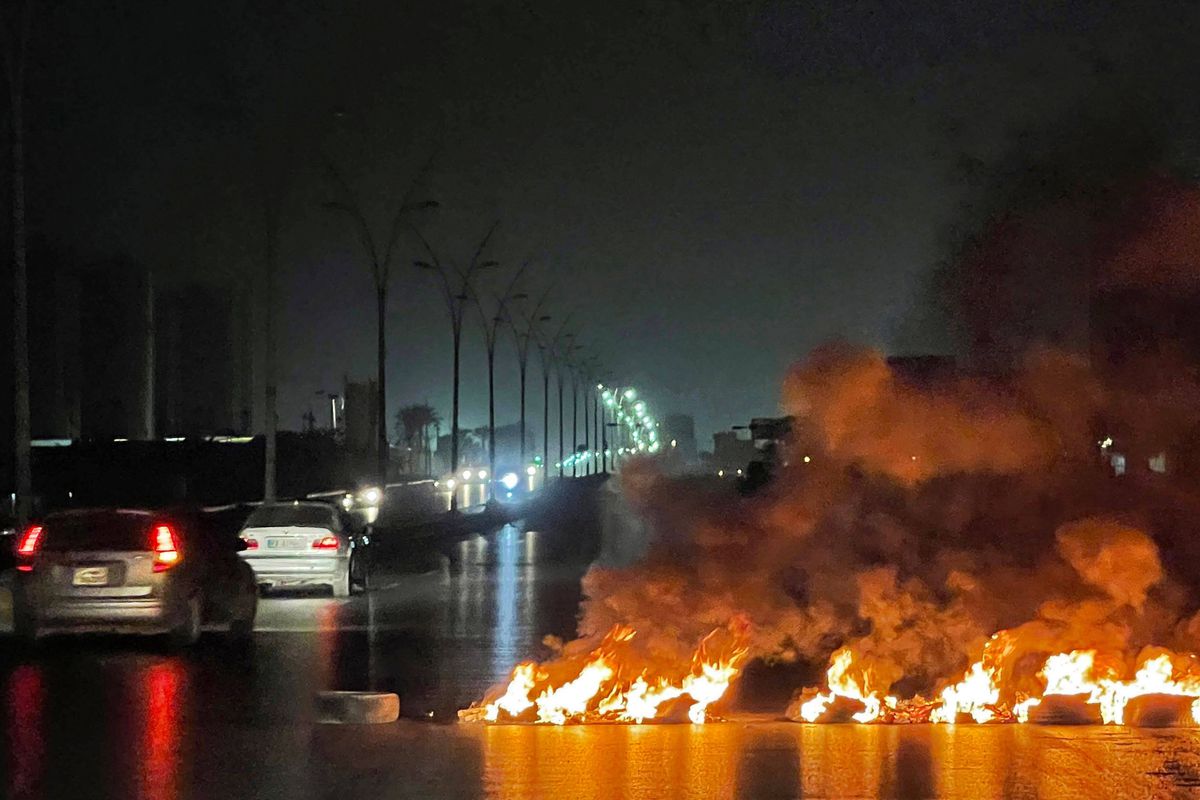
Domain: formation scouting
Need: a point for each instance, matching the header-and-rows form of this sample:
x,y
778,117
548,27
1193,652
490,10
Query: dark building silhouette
x,y
116,351
678,435
362,420
54,342
197,362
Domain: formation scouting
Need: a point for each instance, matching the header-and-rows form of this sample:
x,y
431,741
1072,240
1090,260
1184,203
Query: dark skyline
x,y
716,188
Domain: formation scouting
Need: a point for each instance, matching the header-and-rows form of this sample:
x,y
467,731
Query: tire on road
x,y
360,572
341,584
357,708
187,632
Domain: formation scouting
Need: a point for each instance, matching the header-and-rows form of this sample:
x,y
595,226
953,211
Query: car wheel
x,y
25,626
359,574
187,632
341,584
242,626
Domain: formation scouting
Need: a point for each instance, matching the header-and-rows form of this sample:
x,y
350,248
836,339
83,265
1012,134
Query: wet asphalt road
x,y
122,718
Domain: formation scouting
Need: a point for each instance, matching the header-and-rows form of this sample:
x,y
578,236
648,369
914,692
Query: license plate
x,y
285,544
90,576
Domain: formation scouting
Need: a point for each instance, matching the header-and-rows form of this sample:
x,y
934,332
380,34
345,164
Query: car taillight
x,y
251,544
326,543
166,548
31,542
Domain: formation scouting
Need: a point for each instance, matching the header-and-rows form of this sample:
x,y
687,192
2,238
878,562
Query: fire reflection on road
x,y
769,759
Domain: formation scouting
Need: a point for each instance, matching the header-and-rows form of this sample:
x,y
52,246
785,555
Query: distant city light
x,y
510,480
531,471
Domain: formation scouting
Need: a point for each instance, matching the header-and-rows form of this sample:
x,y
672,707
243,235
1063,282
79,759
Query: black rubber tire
x,y
357,708
360,582
341,585
242,627
187,633
25,626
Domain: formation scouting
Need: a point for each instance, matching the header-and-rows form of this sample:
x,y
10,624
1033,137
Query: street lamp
x,y
491,331
523,336
547,350
379,259
455,284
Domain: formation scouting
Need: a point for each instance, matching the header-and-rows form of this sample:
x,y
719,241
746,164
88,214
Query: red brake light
x,y
251,544
326,543
166,547
31,541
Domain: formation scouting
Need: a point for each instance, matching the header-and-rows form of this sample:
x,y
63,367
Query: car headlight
x,y
451,483
531,471
510,480
483,474
371,496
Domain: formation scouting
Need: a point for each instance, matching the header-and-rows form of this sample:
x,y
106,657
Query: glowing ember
x,y
598,689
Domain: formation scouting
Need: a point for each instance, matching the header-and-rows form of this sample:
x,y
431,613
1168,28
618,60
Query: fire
x,y
844,684
981,693
613,684
516,696
976,694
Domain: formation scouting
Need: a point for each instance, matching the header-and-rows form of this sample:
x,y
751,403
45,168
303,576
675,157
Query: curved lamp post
x,y
455,284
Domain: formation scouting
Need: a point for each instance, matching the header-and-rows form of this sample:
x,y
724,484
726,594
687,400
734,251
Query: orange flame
x,y
599,691
979,693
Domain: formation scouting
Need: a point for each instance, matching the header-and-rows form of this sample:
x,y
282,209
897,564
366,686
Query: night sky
x,y
713,187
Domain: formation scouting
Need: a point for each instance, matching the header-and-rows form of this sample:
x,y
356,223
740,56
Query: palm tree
x,y
412,427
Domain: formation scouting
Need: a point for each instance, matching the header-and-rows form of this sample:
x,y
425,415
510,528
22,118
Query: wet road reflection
x,y
128,718
759,759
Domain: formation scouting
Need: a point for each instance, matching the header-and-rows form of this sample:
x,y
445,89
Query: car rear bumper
x,y
303,571
118,615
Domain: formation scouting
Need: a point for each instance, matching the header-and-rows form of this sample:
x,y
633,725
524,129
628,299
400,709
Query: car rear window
x,y
276,516
106,531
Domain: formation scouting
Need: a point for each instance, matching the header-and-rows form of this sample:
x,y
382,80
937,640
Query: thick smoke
x,y
914,518
923,521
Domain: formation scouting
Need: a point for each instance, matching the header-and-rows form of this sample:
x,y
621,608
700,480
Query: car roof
x,y
297,503
85,512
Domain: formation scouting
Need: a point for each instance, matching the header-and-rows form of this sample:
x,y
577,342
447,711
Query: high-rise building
x,y
116,351
196,361
678,433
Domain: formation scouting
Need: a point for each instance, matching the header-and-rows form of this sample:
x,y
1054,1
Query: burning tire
x,y
1065,709
357,708
1160,711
